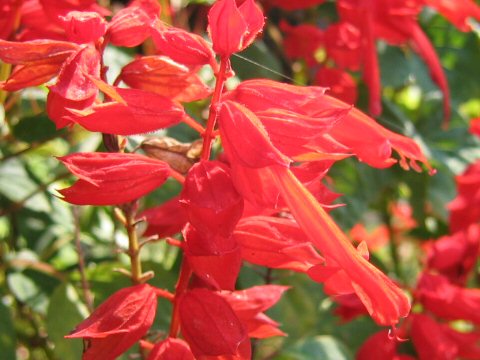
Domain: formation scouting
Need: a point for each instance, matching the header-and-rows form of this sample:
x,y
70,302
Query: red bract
x,y
233,28
171,349
385,302
475,126
131,26
138,112
249,306
212,203
209,255
84,27
182,46
166,219
165,77
10,13
117,323
111,178
245,139
447,300
216,329
275,243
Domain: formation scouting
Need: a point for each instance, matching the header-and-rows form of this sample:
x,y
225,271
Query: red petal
x,y
164,77
457,11
111,178
385,302
118,323
253,15
341,84
244,138
216,329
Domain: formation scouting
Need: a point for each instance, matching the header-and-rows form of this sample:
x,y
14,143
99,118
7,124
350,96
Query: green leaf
x,y
64,313
319,347
7,333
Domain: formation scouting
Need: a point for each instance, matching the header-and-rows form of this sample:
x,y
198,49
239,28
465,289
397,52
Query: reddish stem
x,y
212,116
180,288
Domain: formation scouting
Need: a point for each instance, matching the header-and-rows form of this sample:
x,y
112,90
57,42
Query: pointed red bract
x,y
181,46
216,329
171,349
165,77
214,258
212,203
112,178
166,219
457,12
24,76
118,323
140,112
36,51
131,26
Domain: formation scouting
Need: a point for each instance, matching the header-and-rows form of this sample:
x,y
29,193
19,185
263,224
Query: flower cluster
x,y
261,200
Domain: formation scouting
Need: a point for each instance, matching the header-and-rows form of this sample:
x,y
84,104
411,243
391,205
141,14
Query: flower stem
x,y
212,116
180,288
133,243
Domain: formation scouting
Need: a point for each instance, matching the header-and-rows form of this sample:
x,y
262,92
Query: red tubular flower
x,y
275,243
385,302
343,42
10,14
112,178
165,77
475,126
136,111
117,323
380,346
457,11
447,300
233,28
212,203
166,219
216,329
131,26
171,349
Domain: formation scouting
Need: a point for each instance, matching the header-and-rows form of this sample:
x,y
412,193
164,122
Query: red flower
x,y
340,83
166,219
457,11
171,349
475,126
117,323
294,5
84,27
233,28
302,41
112,178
